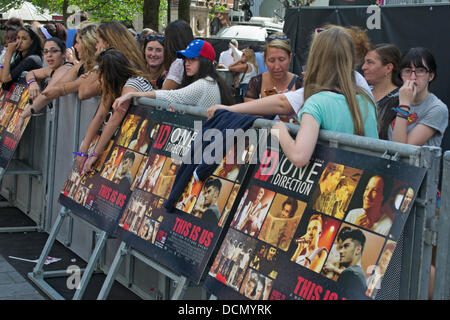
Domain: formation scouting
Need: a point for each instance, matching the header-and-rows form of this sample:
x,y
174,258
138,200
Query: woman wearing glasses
x,y
153,47
421,117
55,58
27,53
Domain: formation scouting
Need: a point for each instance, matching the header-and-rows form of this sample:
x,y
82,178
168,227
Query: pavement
x,y
14,281
15,287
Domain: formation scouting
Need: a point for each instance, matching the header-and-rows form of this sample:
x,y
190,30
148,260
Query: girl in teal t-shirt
x,y
333,101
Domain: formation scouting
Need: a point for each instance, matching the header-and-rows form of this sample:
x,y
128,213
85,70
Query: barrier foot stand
x,y
114,269
92,263
180,289
181,281
124,250
37,276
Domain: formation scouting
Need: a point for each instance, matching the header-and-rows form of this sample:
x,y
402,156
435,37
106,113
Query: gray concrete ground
x,y
13,286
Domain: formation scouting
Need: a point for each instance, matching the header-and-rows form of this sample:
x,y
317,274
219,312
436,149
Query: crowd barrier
x,y
65,126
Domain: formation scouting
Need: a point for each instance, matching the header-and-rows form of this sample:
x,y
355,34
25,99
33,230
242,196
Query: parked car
x,y
252,30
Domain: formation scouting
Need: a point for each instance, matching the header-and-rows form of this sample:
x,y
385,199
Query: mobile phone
x,y
270,91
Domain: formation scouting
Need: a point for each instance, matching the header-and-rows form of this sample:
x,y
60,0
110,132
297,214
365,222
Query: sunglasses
x,y
284,38
158,37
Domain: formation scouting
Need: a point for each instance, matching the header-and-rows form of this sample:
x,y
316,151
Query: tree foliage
x,y
99,10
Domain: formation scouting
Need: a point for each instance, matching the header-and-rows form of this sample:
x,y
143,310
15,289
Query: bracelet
x,y
29,82
406,113
404,106
1,66
81,154
402,116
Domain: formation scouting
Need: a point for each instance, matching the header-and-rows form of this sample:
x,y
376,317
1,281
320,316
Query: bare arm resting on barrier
x,y
108,131
271,105
33,76
69,83
39,101
123,102
5,75
300,150
90,86
91,132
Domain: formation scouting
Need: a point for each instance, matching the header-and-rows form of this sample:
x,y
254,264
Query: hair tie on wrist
x,y
29,82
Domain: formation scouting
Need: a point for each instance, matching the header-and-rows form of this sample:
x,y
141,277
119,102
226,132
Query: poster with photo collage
x,y
12,104
101,196
182,240
326,231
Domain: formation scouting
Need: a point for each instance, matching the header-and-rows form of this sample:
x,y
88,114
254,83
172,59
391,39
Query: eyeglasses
x,y
158,37
284,38
52,51
420,72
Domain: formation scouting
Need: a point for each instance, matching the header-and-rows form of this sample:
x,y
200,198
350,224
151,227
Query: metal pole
x,y
112,273
92,263
441,289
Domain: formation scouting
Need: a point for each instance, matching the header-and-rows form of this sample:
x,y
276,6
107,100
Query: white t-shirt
x,y
139,83
226,58
203,93
296,100
176,71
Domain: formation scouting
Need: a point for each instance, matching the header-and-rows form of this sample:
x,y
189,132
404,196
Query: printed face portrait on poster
x,y
101,196
182,240
12,104
327,231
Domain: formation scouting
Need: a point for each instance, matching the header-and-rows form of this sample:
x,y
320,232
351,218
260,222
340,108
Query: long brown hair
x,y
331,67
114,71
117,36
88,41
178,35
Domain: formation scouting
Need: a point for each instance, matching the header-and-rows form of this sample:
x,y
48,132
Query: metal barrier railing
x,y
415,250
424,230
441,288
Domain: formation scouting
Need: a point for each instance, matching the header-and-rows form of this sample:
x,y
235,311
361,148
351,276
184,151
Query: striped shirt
x,y
139,83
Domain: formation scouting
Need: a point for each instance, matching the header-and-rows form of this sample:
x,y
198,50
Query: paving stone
x,y
13,286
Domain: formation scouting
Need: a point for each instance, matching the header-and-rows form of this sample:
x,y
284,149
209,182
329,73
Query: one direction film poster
x,y
326,231
12,104
101,196
182,240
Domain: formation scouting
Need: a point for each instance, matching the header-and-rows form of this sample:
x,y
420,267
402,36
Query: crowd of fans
x,y
389,98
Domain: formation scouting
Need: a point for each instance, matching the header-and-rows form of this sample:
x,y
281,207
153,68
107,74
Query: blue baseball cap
x,y
198,48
